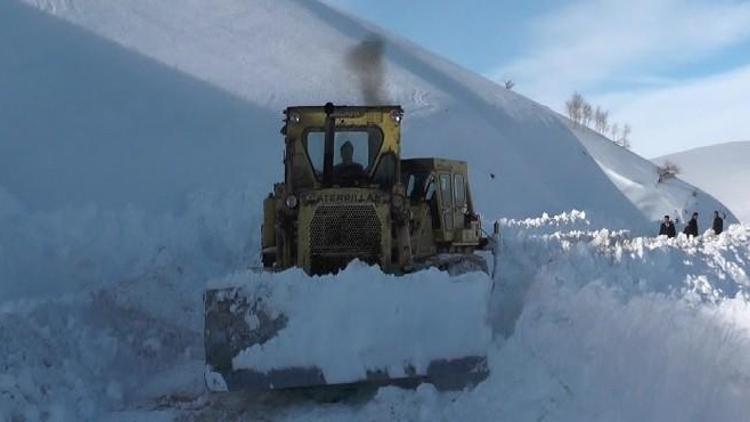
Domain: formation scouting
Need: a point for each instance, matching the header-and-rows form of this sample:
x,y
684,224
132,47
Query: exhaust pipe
x,y
330,133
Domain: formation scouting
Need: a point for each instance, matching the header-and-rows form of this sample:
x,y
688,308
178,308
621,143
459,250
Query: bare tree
x,y
615,133
587,114
626,136
605,121
668,170
600,120
574,107
582,112
509,84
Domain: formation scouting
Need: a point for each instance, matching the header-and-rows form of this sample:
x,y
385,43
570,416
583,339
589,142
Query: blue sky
x,y
677,71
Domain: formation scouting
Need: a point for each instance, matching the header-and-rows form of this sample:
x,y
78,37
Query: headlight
x,y
294,117
291,201
396,116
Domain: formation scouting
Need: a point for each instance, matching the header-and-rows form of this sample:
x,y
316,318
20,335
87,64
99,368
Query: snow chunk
x,y
362,319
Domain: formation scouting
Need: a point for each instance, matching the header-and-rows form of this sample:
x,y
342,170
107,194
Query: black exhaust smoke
x,y
366,60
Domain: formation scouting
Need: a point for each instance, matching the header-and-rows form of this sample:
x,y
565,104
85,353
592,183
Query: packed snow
x,y
723,170
137,140
361,320
587,325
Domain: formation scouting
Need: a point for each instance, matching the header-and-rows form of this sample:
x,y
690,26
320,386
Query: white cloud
x,y
592,42
696,113
596,46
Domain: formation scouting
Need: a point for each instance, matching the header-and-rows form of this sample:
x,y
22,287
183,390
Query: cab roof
x,y
344,108
433,163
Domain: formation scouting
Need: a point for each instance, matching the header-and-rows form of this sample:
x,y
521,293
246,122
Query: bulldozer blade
x,y
244,320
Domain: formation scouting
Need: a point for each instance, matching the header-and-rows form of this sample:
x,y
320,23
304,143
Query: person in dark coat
x,y
718,225
348,168
667,228
692,226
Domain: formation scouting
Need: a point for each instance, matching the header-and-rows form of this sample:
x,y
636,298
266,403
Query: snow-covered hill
x,y
272,54
258,57
723,170
638,179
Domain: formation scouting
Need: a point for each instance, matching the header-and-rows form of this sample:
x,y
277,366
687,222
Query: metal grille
x,y
340,233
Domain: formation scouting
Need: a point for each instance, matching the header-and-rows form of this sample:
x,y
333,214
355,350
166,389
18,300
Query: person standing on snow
x,y
692,226
667,228
718,225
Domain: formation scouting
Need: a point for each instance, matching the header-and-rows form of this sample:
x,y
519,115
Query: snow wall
x,y
586,325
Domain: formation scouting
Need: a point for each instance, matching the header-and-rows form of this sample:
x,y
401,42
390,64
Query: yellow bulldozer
x,y
348,195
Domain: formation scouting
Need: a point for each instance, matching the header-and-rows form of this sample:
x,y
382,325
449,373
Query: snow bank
x,y
615,327
601,355
80,356
590,355
600,325
586,325
78,248
362,320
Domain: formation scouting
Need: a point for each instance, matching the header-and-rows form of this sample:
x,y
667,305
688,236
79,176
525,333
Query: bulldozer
x,y
348,195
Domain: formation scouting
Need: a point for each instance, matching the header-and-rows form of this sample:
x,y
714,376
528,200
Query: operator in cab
x,y
348,169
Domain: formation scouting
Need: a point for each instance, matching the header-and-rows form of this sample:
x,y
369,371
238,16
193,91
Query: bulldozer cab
x,y
342,146
348,195
342,166
443,185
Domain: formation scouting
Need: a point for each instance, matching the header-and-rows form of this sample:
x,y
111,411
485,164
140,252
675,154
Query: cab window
x,y
411,184
430,190
459,187
354,150
445,189
432,200
447,197
417,185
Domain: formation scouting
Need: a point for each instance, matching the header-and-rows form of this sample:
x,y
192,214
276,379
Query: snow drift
x,y
361,321
588,325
